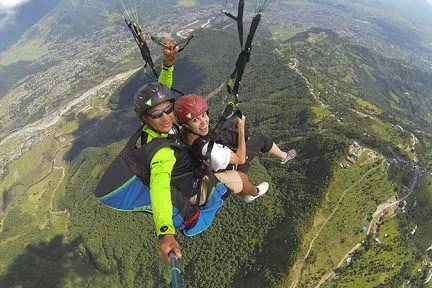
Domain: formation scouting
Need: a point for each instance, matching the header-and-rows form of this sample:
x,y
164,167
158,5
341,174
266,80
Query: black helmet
x,y
151,95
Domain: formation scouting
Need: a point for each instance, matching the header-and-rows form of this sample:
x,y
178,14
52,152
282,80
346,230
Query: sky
x,y
8,10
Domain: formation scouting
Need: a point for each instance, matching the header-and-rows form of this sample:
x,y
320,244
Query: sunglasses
x,y
158,113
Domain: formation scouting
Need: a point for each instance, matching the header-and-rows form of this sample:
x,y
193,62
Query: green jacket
x,y
161,167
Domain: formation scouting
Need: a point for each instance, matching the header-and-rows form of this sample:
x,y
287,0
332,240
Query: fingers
x,y
164,255
169,40
167,244
241,121
170,44
170,51
177,251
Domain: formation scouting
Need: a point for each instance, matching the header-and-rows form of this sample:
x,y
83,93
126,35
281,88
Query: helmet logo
x,y
189,115
149,102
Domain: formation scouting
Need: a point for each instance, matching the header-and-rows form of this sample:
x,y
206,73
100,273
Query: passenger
x,y
192,113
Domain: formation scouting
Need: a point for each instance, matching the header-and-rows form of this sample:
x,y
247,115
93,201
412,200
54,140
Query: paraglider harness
x,y
224,132
125,184
234,81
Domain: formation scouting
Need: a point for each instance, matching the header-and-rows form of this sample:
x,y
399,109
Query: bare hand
x,y
170,51
168,243
241,122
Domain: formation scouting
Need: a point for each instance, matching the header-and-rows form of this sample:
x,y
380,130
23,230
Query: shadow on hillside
x,y
43,265
101,132
122,121
119,124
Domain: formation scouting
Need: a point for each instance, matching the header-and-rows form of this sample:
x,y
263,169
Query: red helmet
x,y
189,106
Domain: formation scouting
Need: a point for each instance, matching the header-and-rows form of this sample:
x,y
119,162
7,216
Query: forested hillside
x,y
359,86
248,245
313,93
349,70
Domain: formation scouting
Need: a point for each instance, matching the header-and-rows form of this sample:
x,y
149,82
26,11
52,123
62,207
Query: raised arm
x,y
239,157
170,53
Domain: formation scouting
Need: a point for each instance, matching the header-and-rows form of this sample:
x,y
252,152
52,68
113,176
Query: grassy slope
x,y
29,217
339,69
421,212
380,262
33,165
34,237
352,193
399,257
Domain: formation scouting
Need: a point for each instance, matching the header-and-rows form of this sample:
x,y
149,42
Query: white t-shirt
x,y
220,156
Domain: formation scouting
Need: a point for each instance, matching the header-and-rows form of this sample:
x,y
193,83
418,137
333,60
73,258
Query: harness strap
x,y
238,19
233,83
138,35
191,220
230,111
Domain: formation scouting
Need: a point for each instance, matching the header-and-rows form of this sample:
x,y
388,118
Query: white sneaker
x,y
262,189
291,154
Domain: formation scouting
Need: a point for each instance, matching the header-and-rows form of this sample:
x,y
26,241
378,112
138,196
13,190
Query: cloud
x,y
8,11
429,2
11,4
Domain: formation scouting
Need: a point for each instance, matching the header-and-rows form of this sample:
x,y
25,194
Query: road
x,y
376,216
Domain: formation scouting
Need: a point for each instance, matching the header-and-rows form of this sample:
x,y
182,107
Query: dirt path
x,y
39,181
215,91
376,216
58,185
297,269
53,194
309,85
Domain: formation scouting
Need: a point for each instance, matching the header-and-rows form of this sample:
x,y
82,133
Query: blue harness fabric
x,y
209,210
124,187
